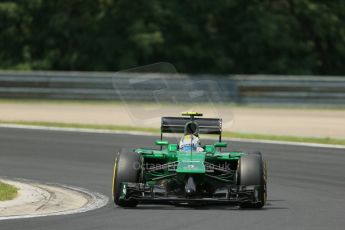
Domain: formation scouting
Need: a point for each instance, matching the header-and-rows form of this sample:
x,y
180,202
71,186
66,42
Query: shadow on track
x,y
269,206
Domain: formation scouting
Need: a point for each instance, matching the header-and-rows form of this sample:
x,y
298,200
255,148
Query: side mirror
x,y
173,147
209,149
161,142
220,145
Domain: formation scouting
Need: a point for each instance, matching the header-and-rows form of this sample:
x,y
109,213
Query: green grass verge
x,y
317,140
7,192
58,101
83,126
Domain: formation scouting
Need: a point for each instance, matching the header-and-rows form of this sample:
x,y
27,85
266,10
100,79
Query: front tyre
x,y
252,171
126,169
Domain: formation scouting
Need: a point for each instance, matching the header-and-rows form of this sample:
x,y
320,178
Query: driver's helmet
x,y
190,142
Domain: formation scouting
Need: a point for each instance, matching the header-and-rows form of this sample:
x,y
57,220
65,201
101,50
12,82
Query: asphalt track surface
x,y
306,184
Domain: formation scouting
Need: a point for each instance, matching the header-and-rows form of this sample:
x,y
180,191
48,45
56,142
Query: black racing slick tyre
x,y
252,171
126,169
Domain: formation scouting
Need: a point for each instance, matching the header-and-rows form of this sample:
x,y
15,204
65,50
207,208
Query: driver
x,y
190,142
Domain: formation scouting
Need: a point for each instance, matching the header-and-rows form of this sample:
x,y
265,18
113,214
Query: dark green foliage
x,y
219,36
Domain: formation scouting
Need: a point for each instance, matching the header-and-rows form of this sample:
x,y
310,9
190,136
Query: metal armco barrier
x,y
174,88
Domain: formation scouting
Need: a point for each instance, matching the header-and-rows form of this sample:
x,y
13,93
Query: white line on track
x,y
137,133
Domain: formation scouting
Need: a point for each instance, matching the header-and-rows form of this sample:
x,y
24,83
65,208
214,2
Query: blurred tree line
x,y
218,36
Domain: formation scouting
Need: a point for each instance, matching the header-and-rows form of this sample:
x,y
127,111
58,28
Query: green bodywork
x,y
186,162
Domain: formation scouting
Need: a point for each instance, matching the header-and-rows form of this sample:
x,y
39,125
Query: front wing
x,y
146,194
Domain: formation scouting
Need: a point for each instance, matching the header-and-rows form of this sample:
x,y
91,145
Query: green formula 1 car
x,y
171,175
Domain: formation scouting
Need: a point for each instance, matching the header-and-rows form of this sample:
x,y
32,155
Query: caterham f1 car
x,y
171,175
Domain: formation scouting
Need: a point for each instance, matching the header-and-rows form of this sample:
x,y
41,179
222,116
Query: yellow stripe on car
x,y
265,180
191,113
113,186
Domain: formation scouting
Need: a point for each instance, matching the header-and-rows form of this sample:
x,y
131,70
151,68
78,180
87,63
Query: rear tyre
x,y
252,171
126,169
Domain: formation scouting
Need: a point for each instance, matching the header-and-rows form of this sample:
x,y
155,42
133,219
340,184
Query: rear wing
x,y
177,125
